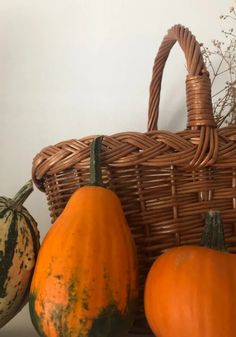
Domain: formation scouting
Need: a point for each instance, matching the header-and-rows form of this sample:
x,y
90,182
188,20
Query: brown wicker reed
x,y
166,181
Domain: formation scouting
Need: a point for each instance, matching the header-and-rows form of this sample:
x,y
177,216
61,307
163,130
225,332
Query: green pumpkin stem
x,y
22,194
213,232
95,163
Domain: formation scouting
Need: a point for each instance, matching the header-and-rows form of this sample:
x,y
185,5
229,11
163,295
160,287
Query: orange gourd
x,y
191,290
85,279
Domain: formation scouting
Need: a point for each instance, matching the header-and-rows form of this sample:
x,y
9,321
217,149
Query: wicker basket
x,y
166,181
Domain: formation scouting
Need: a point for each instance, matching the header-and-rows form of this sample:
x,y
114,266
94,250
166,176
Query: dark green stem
x,y
95,163
213,232
22,195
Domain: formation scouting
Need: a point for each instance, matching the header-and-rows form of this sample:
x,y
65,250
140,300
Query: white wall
x,y
70,68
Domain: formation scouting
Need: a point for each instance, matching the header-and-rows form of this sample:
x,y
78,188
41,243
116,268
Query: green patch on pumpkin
x,y
111,322
85,299
35,318
58,276
59,321
59,313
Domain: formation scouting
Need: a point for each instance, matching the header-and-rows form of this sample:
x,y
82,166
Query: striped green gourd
x,y
19,244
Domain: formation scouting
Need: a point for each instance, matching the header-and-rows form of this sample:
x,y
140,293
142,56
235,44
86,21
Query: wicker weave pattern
x,y
166,181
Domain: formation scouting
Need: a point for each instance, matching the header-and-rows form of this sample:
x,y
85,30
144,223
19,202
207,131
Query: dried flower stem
x,y
221,63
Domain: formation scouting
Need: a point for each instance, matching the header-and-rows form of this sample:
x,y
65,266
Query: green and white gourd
x,y
19,245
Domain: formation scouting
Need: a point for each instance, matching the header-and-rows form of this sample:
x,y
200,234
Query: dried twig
x,y
221,63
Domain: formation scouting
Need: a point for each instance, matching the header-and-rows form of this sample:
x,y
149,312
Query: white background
x,y
70,68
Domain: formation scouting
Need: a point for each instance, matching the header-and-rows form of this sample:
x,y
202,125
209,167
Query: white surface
x,y
70,68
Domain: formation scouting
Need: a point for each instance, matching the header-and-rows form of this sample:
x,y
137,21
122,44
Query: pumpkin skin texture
x,y
85,280
19,244
191,291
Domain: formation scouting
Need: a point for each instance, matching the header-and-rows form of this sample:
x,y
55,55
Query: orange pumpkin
x,y
85,280
191,291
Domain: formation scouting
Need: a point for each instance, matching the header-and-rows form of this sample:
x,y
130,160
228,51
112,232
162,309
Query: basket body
x,y
164,204
166,182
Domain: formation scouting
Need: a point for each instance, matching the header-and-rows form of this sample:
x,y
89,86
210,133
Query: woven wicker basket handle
x,y
198,86
198,94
